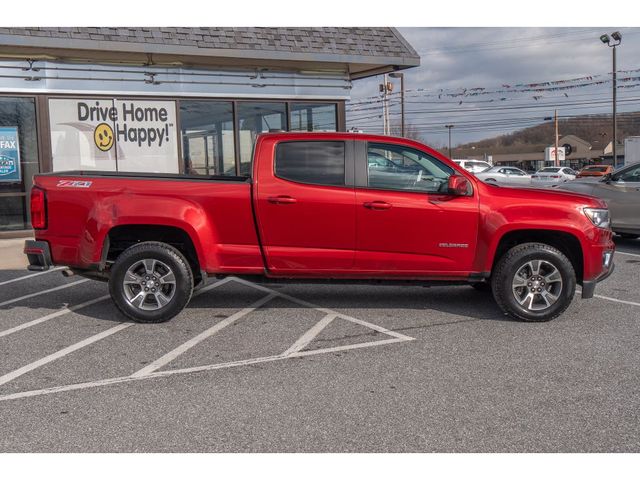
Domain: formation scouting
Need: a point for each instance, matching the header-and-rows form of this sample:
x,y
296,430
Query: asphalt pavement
x,y
312,368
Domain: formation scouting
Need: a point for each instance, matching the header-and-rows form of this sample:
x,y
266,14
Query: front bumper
x,y
589,286
39,255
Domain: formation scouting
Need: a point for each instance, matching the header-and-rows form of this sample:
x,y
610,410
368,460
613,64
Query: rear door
x,y
305,206
407,223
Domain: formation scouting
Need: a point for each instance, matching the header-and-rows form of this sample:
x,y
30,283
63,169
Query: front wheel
x,y
534,282
151,282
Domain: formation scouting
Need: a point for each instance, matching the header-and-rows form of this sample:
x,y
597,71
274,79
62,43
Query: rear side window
x,y
320,163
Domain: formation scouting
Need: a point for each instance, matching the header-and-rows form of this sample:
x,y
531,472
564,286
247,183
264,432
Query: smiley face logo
x,y
103,137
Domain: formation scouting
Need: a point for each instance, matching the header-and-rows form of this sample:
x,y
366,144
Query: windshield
x,y
596,169
549,170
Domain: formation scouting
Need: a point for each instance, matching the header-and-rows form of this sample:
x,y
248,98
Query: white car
x,y
505,175
553,176
473,166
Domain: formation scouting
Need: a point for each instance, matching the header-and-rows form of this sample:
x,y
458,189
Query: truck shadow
x,y
460,300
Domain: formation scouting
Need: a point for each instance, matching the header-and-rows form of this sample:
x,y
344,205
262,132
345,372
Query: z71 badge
x,y
74,183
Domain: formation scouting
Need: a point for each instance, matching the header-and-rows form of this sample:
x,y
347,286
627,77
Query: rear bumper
x,y
39,255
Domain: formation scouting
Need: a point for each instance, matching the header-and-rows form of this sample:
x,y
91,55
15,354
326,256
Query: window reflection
x,y
255,118
207,137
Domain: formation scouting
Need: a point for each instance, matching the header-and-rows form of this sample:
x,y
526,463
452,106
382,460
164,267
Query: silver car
x,y
505,175
621,191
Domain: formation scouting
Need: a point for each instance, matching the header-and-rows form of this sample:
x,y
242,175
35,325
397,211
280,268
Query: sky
x,y
496,60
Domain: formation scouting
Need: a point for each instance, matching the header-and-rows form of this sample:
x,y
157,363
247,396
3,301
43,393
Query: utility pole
x,y
557,159
615,121
385,88
401,77
613,42
449,127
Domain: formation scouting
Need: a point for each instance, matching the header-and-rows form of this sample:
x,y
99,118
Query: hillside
x,y
595,129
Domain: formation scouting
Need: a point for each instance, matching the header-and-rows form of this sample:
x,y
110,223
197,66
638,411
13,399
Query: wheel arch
x,y
121,237
566,242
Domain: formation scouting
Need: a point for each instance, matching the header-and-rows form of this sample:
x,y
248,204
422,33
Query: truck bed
x,y
215,211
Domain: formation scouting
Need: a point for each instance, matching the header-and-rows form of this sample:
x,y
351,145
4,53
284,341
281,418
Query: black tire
x,y
179,292
515,261
628,236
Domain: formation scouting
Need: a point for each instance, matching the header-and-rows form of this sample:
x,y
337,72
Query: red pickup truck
x,y
321,207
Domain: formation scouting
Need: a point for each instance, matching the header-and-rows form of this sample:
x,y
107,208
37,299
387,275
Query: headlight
x,y
598,216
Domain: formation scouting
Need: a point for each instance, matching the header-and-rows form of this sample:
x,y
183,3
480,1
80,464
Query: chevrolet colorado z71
x,y
329,207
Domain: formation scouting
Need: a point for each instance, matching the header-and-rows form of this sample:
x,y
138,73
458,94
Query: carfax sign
x,y
9,155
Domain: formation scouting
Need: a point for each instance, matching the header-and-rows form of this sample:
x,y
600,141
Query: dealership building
x,y
170,100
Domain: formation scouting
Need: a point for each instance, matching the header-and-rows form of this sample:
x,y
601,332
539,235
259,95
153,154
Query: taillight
x,y
38,208
555,176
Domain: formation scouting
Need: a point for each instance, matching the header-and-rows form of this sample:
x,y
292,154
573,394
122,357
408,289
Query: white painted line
x,y
42,292
61,353
50,316
219,283
24,277
308,337
176,352
204,368
304,303
622,253
348,347
65,388
626,302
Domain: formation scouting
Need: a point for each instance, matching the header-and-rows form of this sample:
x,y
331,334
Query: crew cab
x,y
321,207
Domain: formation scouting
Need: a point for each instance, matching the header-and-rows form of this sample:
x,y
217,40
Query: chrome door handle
x,y
281,200
377,205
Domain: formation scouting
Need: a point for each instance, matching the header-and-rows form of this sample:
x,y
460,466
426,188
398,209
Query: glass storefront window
x,y
17,115
314,117
207,137
254,118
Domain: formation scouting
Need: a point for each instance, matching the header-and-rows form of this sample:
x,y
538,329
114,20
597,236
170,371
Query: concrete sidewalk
x,y
11,256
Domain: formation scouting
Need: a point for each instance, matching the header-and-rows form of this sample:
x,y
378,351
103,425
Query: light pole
x,y
401,77
449,127
614,41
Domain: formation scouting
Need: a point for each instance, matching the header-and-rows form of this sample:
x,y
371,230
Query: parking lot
x,y
317,368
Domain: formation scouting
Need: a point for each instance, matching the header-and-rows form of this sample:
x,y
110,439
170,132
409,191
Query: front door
x,y
407,222
306,206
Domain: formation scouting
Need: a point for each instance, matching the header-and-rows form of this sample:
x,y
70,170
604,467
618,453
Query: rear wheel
x,y
534,282
151,282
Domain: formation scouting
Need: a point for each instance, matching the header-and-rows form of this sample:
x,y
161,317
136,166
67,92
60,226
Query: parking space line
x,y
61,353
304,303
24,277
347,347
622,253
182,371
50,316
176,352
42,292
309,335
617,300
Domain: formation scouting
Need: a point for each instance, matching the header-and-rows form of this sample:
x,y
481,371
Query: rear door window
x,y
317,162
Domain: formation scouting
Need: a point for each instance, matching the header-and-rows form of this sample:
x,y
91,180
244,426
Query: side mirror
x,y
458,185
